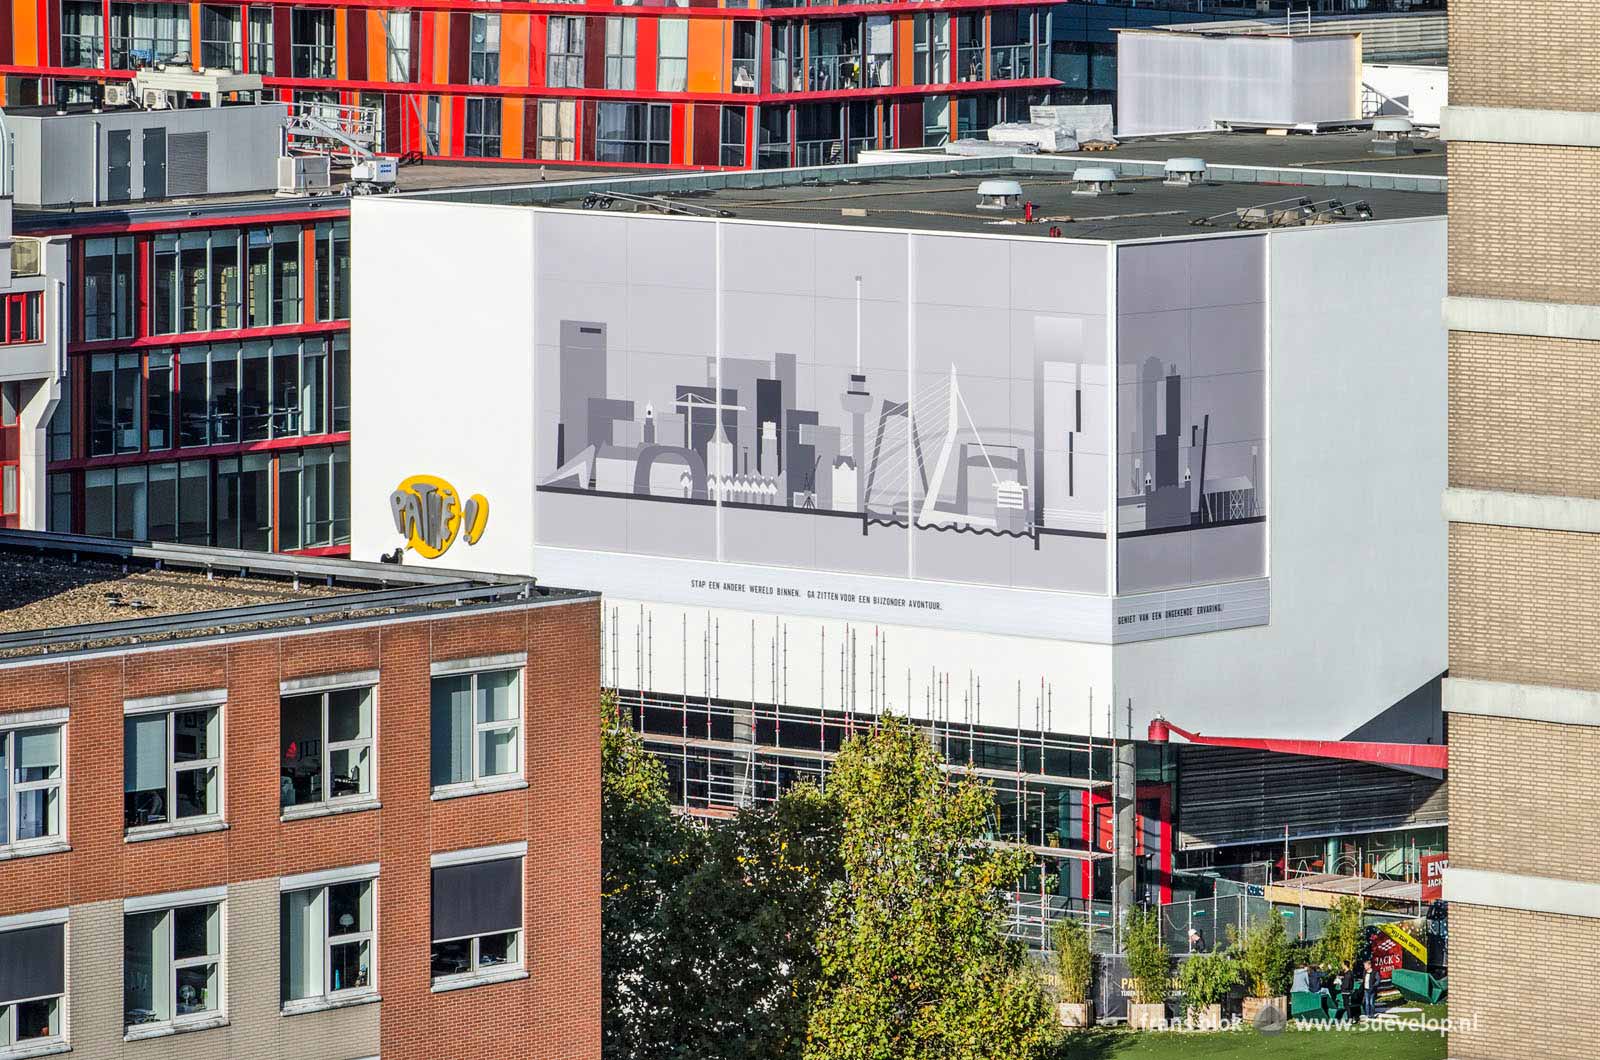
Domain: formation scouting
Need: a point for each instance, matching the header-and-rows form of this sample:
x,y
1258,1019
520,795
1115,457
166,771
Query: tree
x,y
1266,956
915,960
1074,959
1149,960
1342,937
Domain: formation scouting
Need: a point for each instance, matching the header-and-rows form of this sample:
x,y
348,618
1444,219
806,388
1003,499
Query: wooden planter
x,y
1147,1017
1075,1015
1254,1005
1208,1018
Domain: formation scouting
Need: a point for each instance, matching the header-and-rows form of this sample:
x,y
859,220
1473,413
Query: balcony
x,y
1011,62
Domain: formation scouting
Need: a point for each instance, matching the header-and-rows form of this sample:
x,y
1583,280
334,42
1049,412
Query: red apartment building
x,y
294,807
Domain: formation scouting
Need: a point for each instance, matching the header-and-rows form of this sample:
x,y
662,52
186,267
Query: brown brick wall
x,y
1524,796
1524,606
551,1015
1516,228
1523,980
1523,55
1521,414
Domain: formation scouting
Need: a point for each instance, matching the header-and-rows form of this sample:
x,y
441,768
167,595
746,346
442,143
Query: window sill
x,y
327,1004
32,850
462,982
168,831
24,1052
141,1031
328,809
478,787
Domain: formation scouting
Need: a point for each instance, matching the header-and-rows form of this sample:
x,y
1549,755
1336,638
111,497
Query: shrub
x,y
1266,956
1206,979
1074,961
1149,962
1341,939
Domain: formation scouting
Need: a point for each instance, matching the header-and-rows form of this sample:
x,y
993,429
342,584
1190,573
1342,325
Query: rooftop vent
x,y
999,194
1391,136
1094,180
1182,172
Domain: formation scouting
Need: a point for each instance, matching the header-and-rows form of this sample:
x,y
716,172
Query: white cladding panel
x,y
1415,92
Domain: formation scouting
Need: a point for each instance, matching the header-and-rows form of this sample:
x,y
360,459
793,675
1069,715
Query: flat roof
x,y
1344,149
938,193
66,594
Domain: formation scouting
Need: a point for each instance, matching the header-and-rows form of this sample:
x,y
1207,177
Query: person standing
x,y
1369,990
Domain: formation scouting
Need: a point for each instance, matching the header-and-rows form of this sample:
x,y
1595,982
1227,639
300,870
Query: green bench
x,y
1419,986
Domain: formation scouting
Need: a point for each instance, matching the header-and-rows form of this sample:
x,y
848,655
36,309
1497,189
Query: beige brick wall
x,y
1494,44
1524,607
1524,980
1517,230
1524,796
1521,414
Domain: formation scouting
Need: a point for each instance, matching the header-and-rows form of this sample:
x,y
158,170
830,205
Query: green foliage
x,y
1074,961
915,960
1149,961
1205,979
1341,939
1266,956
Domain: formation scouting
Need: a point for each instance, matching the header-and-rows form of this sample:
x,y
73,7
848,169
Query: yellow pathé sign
x,y
429,514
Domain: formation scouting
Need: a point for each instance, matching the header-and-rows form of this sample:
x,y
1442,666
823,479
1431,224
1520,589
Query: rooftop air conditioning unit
x,y
999,194
118,96
153,99
304,174
1094,180
27,256
1185,172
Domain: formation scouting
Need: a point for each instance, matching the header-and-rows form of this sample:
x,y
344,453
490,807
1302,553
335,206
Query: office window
x,y
311,48
621,52
115,403
158,369
99,502
565,41
143,34
58,520
326,940
83,39
161,503
223,409
194,502
633,132
242,502
261,53
555,128
61,428
341,382
672,57
194,402
22,313
970,49
255,391
195,282
733,136
477,915
326,745
483,65
33,964
219,38
172,962
30,786
314,498
482,136
274,276
333,247
476,726
172,767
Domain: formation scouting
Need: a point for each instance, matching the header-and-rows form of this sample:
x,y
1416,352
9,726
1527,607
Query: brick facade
x,y
552,1013
1538,55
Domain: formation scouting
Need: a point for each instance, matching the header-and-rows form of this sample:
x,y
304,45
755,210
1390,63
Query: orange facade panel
x,y
905,50
511,118
377,46
710,53
341,53
25,33
515,35
441,47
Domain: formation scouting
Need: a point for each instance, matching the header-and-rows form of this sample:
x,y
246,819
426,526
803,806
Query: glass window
x,y
31,992
399,46
555,128
144,34
132,514
633,132
194,502
114,403
61,428
286,397
224,404
261,54
274,276
312,43
621,52
59,517
565,41
744,65
30,785
931,40
194,401
313,416
21,320
219,38
172,965
162,502
484,50
333,246
107,288
476,726
171,767
158,368
255,391
227,287
326,740
672,58
326,941
477,918
99,502
482,136
733,136
341,382
83,38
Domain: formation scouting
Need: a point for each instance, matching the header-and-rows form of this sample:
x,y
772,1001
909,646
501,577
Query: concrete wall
x,y
1415,92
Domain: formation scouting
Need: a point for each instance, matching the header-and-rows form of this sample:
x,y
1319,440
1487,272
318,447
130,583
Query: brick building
x,y
1524,505
293,807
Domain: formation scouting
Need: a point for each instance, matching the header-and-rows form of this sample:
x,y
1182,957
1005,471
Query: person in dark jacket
x,y
1369,990
1350,986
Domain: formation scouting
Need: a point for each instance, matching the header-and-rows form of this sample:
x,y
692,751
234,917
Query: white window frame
x,y
476,974
10,725
172,705
366,800
168,904
322,881
60,1041
474,668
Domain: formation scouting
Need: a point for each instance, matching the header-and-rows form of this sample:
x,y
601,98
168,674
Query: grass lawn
x,y
1109,1044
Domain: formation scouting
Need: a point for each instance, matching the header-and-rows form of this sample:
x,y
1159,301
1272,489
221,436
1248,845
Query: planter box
x,y
1254,1005
1072,1015
1147,1017
1208,1018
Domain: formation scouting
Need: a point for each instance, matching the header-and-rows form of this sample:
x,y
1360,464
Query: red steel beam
x,y
1412,755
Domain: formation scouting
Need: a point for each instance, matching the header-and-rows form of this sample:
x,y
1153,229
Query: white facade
x,y
32,372
1305,618
1416,92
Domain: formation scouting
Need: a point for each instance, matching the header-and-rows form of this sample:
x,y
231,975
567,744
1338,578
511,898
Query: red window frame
x,y
20,323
